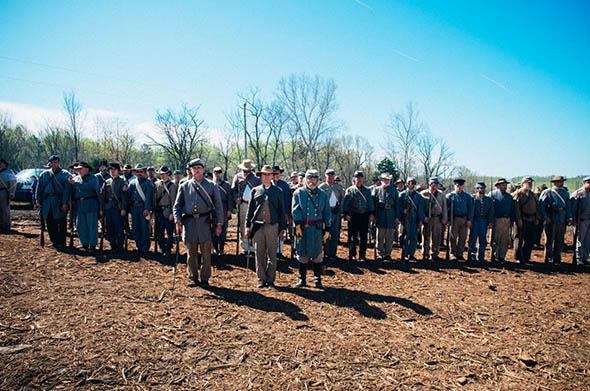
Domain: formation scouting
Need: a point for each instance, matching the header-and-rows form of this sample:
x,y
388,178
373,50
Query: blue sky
x,y
506,85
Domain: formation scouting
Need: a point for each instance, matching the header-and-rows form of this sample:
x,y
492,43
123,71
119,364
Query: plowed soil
x,y
73,320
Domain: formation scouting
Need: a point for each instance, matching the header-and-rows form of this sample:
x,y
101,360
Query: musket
x,y
248,253
177,240
576,229
155,217
42,235
102,229
126,230
238,229
450,231
293,244
71,221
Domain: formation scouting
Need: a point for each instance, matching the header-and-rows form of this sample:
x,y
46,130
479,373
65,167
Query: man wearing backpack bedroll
x,y
140,199
53,196
165,197
242,186
555,205
198,207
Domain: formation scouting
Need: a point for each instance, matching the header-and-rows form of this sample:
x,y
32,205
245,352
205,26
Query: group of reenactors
x,y
197,208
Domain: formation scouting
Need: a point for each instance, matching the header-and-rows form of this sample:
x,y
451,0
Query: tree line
x,y
295,126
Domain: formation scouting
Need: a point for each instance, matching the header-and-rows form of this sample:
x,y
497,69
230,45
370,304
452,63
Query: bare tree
x,y
403,130
181,133
117,140
310,103
434,156
351,154
75,118
276,119
257,131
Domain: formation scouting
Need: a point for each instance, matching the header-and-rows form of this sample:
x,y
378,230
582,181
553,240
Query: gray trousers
x,y
458,236
4,211
432,234
385,237
554,237
266,240
583,242
243,211
502,236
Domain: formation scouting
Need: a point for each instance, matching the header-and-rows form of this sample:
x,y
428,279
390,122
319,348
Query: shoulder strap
x,y
139,189
200,189
559,195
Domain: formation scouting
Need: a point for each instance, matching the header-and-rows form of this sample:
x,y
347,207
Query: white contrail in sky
x,y
407,56
502,86
367,6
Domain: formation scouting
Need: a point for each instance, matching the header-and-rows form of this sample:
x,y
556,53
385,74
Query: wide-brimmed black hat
x,y
116,166
278,169
82,165
164,170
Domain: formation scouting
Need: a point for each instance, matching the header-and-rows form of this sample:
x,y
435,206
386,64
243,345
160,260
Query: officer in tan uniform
x,y
435,218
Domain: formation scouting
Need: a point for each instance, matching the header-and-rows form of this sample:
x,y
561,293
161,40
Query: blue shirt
x,y
503,204
86,191
53,191
462,205
148,190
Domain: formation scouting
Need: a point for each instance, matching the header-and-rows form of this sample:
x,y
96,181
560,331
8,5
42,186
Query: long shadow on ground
x,y
258,302
357,300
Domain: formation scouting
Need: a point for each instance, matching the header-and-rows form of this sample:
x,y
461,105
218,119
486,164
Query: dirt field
x,y
68,321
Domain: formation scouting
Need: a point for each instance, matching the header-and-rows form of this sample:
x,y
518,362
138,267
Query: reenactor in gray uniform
x,y
483,218
504,216
335,193
312,218
294,183
411,206
103,173
115,206
265,225
165,197
527,219
86,193
189,175
242,185
359,210
177,177
53,196
227,200
140,205
387,214
581,213
460,205
435,218
398,230
7,191
197,208
556,210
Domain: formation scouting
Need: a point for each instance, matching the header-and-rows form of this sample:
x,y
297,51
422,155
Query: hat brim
x,y
264,172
